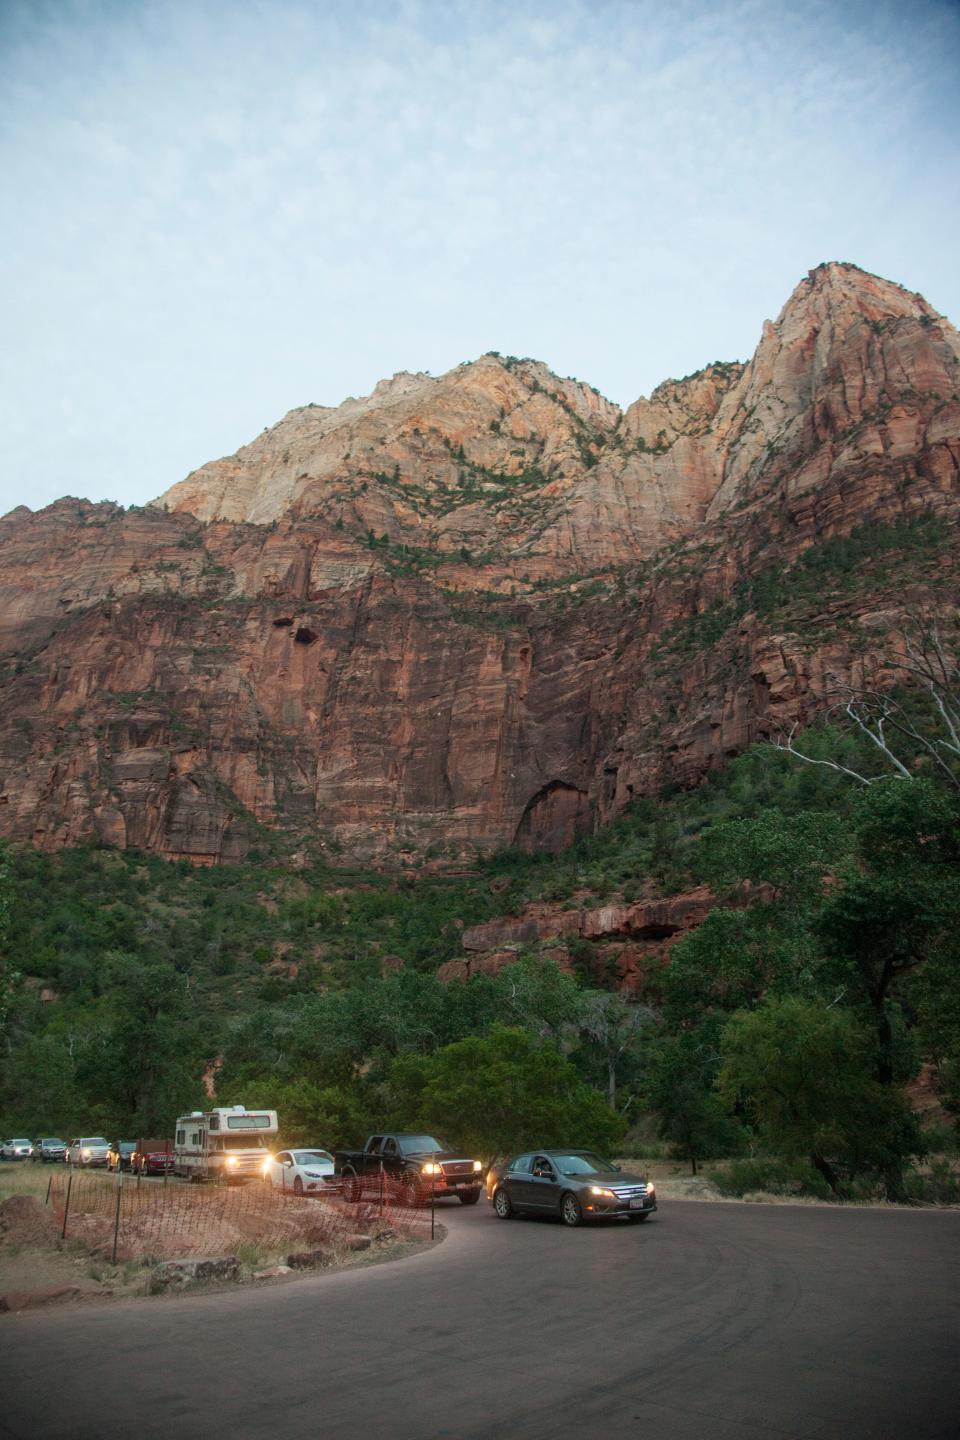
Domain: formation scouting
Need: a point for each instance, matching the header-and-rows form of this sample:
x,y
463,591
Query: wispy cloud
x,y
219,210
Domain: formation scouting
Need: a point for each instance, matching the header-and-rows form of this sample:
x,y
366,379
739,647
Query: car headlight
x,y
84,1154
431,1169
231,1161
601,1190
477,1167
650,1189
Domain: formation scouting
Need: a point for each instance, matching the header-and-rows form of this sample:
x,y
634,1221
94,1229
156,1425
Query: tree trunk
x,y
828,1173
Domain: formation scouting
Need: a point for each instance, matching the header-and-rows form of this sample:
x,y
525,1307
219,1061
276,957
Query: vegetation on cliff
x,y
789,1027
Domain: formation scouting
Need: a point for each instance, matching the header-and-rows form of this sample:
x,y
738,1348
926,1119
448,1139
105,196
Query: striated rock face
x,y
628,940
483,608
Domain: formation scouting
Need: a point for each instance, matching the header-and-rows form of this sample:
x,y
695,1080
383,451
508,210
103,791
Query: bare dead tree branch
x,y
929,660
785,743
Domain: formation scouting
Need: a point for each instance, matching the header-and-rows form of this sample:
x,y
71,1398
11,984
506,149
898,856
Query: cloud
x,y
222,210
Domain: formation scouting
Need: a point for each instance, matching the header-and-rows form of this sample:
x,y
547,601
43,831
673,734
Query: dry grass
x,y
26,1177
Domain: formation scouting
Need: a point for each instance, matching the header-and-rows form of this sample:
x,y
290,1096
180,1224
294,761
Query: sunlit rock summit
x,y
486,607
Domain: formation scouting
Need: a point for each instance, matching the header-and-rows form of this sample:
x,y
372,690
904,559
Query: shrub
x,y
772,1177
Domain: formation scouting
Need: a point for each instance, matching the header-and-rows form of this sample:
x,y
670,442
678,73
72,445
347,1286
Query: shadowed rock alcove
x,y
554,817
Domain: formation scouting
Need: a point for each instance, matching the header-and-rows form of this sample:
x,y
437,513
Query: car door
x,y
516,1181
282,1170
544,1184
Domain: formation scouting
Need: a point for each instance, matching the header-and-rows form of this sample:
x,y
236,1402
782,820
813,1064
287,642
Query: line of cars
x,y
89,1152
573,1184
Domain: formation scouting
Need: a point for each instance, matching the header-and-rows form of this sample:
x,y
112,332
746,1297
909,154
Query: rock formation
x,y
485,607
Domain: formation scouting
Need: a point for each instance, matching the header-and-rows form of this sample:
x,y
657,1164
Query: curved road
x,y
733,1322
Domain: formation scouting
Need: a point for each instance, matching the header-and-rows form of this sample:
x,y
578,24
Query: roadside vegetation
x,y
785,1037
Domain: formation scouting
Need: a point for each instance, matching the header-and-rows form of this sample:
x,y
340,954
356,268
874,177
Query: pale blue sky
x,y
216,210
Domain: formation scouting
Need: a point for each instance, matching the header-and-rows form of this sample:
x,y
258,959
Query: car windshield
x,y
582,1162
127,1147
20,1142
96,1140
312,1157
420,1144
51,1141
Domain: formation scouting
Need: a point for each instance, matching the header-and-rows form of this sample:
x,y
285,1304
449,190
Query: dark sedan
x,y
577,1185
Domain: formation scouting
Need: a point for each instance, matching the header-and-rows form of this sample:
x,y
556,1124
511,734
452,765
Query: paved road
x,y
733,1322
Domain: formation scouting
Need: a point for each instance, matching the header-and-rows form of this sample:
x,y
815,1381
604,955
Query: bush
x,y
772,1177
940,1187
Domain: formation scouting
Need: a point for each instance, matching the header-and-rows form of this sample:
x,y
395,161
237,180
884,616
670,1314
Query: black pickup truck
x,y
422,1164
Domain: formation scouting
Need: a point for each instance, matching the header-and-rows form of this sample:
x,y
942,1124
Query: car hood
x,y
443,1156
608,1178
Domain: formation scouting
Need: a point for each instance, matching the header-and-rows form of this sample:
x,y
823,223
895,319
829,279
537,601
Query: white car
x,y
16,1150
302,1172
88,1150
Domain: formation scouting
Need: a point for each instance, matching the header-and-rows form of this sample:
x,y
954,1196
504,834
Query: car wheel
x,y
470,1198
502,1204
297,1185
351,1187
570,1212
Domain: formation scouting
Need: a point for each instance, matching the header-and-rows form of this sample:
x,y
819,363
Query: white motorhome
x,y
229,1143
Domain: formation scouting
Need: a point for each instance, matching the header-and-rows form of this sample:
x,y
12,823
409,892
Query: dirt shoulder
x,y
41,1269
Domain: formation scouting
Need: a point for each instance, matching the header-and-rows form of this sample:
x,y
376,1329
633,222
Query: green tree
x,y
40,1090
805,1076
330,1116
148,1069
613,1030
501,1092
679,1085
9,976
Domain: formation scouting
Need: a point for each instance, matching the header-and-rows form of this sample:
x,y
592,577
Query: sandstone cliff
x,y
487,606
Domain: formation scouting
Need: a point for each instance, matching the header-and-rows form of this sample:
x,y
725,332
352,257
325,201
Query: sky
x,y
214,211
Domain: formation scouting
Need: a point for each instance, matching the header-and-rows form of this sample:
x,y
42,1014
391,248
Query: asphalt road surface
x,y
733,1322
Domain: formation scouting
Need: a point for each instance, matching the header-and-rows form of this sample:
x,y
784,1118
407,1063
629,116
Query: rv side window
x,y
194,1138
214,1122
180,1135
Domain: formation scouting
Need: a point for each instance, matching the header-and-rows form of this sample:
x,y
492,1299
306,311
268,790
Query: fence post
x,y
66,1206
116,1220
433,1196
381,1188
49,1183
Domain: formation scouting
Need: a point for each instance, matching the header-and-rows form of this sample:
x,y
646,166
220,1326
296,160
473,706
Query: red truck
x,y
152,1157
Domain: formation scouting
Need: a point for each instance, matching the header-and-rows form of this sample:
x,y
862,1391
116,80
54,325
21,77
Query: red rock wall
x,y
174,683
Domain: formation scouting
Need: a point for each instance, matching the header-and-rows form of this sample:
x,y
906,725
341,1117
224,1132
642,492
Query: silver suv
x,y
16,1150
88,1150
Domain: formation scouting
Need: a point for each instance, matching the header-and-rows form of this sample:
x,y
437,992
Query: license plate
x,y
637,1204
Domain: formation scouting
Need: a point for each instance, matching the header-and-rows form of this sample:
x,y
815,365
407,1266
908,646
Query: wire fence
x,y
122,1219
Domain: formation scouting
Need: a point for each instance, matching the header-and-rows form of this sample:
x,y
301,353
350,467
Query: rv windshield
x,y
244,1142
248,1122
